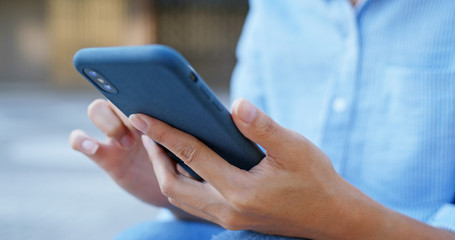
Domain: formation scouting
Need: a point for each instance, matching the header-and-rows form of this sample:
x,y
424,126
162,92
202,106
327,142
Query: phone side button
x,y
217,105
205,92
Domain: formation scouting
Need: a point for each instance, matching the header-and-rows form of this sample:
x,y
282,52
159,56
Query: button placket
x,y
339,105
337,131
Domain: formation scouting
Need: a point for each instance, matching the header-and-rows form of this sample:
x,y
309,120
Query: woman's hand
x,y
122,156
293,191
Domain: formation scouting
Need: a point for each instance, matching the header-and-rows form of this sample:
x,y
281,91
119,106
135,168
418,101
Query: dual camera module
x,y
100,81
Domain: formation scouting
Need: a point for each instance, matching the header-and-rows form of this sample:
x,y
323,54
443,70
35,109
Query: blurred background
x,y
47,190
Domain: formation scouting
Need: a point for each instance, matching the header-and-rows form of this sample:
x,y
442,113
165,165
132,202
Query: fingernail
x,y
127,141
147,142
246,111
138,123
89,147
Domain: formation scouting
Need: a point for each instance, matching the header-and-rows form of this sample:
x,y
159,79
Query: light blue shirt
x,y
374,87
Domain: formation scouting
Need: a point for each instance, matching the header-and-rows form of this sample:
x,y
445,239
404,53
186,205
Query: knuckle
x,y
173,202
243,202
231,221
167,188
157,136
188,153
268,129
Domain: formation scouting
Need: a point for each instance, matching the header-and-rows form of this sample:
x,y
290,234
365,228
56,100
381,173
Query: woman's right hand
x,y
122,155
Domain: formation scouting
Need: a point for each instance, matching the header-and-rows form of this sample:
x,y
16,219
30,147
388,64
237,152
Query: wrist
x,y
354,215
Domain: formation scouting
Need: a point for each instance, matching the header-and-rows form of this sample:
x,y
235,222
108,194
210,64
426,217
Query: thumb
x,y
258,126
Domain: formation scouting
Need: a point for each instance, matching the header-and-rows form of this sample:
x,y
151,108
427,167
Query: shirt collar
x,y
359,4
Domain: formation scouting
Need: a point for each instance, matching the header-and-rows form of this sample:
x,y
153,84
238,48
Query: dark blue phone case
x,y
157,81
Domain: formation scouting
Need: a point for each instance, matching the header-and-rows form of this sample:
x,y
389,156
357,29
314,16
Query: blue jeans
x,y
178,230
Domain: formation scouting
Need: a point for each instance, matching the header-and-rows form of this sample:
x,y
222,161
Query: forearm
x,y
403,227
360,217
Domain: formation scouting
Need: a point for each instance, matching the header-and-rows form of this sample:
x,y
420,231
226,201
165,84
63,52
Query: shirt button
x,y
339,105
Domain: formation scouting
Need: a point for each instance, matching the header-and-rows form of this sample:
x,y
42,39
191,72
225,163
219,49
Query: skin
x,y
293,191
122,155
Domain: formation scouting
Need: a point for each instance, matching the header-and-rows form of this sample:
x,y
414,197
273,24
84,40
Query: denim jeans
x,y
185,230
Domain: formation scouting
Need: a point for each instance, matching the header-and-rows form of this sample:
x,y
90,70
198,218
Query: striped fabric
x,y
374,87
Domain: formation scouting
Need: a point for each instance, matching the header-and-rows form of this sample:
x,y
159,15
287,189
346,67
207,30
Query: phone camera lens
x,y
99,80
107,87
92,73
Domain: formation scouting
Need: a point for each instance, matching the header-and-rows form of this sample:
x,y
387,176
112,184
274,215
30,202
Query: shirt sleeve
x,y
246,78
444,218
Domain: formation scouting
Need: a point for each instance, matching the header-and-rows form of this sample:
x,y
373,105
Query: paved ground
x,y
47,190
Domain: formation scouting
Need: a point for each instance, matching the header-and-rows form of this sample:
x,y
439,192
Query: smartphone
x,y
157,81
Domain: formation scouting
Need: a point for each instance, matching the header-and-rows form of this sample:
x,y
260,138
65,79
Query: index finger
x,y
203,160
